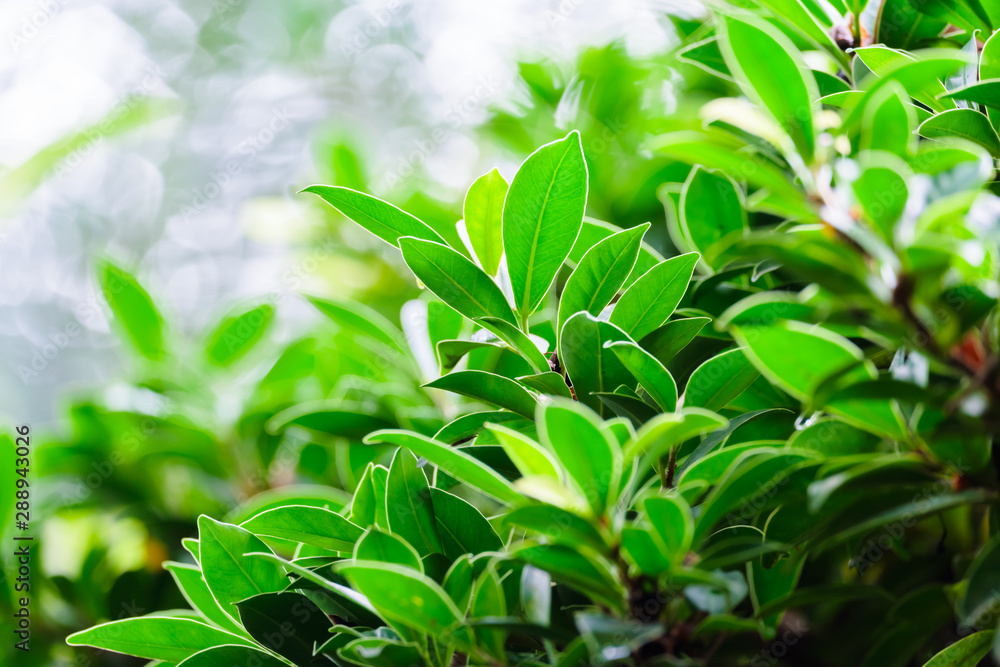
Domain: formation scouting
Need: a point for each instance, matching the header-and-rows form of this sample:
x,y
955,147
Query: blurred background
x,y
172,138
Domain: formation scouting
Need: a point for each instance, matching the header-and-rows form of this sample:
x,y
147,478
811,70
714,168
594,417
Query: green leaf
x,y
528,456
558,524
403,596
452,461
889,122
350,605
966,652
314,526
798,357
470,425
487,603
720,380
490,388
650,373
594,231
672,524
920,78
985,92
665,342
235,335
368,505
408,505
229,575
745,489
963,124
901,25
520,341
227,656
134,311
463,528
377,545
600,274
194,589
455,280
328,417
570,567
711,208
450,352
647,554
977,604
652,298
592,367
665,431
882,193
483,219
154,637
797,16
784,88
585,449
549,382
889,64
716,149
287,623
379,652
542,216
382,219
361,319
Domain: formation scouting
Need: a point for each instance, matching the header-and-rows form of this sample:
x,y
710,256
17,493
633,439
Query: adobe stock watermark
x,y
456,117
44,354
246,152
34,23
362,36
128,102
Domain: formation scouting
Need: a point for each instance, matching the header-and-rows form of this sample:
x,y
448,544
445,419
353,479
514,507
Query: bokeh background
x,y
172,138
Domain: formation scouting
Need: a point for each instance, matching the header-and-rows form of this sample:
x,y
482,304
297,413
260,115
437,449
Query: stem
x,y
667,480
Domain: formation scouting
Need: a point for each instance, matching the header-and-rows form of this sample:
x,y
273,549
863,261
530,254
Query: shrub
x,y
775,444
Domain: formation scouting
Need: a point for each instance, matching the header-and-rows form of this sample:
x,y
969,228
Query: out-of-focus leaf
x,y
785,88
583,447
134,311
235,335
962,124
711,207
560,525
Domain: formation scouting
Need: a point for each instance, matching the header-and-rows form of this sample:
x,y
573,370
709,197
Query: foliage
x,y
682,459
